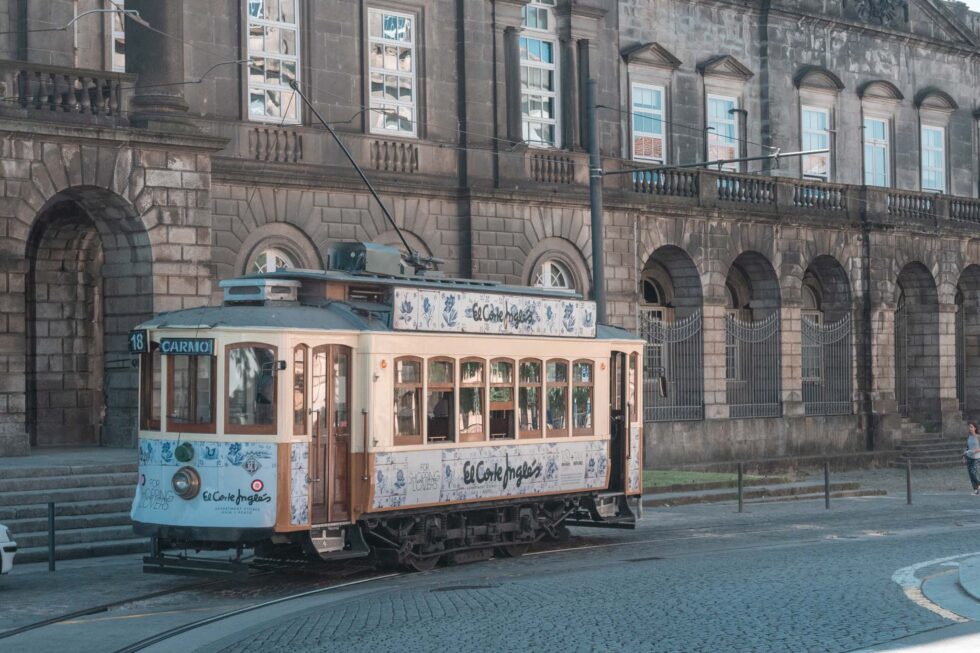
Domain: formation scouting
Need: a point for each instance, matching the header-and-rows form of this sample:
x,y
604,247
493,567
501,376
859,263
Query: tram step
x,y
758,492
85,550
69,522
61,471
33,483
75,536
40,510
69,495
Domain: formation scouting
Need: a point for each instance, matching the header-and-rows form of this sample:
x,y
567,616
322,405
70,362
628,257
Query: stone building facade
x,y
822,304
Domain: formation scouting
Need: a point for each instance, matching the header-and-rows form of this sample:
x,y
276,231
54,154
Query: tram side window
x,y
472,414
190,393
441,404
150,390
557,397
300,354
408,401
583,383
250,380
529,398
633,389
501,400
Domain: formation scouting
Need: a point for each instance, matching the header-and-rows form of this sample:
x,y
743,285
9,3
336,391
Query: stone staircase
x,y
92,503
926,447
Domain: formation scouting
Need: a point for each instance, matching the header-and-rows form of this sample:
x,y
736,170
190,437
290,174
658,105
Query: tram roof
x,y
442,283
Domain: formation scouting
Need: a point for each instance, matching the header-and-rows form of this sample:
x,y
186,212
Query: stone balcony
x,y
69,95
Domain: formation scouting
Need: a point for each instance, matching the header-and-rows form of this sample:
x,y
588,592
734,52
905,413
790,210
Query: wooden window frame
x,y
208,427
301,428
441,387
565,432
252,429
530,434
409,440
148,420
513,403
484,406
575,383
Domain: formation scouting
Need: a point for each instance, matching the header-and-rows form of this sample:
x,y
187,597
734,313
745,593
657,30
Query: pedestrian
x,y
972,457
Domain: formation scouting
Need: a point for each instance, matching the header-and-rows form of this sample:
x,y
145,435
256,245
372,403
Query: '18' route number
x,y
139,343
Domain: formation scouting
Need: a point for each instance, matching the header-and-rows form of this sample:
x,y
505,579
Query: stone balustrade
x,y
58,93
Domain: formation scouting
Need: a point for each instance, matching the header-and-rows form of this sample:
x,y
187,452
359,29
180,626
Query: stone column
x,y
883,403
791,365
158,60
949,404
715,387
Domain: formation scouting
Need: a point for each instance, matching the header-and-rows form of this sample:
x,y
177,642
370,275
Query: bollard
x,y
51,536
826,485
740,487
908,480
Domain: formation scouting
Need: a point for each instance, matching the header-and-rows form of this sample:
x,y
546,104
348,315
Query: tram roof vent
x,y
367,257
250,291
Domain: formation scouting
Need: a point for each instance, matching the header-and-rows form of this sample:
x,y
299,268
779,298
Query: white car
x,y
7,549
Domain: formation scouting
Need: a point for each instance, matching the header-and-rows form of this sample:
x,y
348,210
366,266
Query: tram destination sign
x,y
454,311
187,346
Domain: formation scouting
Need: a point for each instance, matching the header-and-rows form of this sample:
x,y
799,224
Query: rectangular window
x,y
190,394
117,37
392,67
811,351
582,384
299,390
150,390
408,401
501,400
529,399
539,75
273,60
816,136
557,389
877,161
250,382
723,130
472,411
934,159
441,401
648,123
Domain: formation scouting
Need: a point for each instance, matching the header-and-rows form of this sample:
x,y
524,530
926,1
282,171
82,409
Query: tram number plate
x,y
139,342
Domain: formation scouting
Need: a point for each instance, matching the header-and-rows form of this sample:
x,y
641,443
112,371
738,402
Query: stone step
x,y
714,496
921,446
75,536
813,496
87,550
926,465
39,510
68,496
34,483
7,473
70,522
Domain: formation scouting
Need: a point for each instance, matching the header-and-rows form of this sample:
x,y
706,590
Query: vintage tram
x,y
359,409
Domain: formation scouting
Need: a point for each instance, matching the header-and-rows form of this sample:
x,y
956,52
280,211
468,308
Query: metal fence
x,y
902,358
752,367
827,376
673,371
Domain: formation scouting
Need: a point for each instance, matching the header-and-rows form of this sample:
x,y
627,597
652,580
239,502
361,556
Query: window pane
x,y
557,408
471,372
582,407
583,373
530,408
341,411
440,419
251,386
440,373
150,384
501,372
299,391
408,372
557,372
530,372
191,390
470,410
408,411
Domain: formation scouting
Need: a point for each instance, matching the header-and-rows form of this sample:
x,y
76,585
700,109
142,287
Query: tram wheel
x,y
513,550
416,563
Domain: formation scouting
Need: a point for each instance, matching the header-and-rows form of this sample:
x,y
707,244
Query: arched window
x,y
270,260
553,274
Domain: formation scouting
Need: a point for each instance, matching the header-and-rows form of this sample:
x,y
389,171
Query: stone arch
x,y
566,253
755,283
968,342
829,280
89,281
674,272
818,77
286,237
934,98
880,89
917,345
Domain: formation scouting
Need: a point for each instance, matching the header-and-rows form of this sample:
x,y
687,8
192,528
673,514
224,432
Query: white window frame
x,y
386,105
731,120
653,115
115,35
287,92
543,278
942,158
545,36
870,170
824,133
272,253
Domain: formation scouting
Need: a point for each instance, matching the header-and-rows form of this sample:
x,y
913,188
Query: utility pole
x,y
595,192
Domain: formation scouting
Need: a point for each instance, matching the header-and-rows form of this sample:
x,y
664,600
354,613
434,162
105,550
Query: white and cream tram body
x,y
348,411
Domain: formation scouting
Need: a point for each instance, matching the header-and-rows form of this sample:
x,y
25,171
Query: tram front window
x,y
441,401
501,400
251,387
191,394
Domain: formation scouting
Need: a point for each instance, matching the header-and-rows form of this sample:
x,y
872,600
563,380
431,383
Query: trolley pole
x,y
595,194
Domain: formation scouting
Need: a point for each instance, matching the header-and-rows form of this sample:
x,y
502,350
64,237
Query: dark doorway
x,y
330,401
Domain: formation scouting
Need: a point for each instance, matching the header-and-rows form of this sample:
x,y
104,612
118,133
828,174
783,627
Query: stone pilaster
x,y
948,402
715,389
791,361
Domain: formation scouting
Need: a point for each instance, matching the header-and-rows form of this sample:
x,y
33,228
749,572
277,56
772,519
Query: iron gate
x,y
902,358
673,370
752,367
827,375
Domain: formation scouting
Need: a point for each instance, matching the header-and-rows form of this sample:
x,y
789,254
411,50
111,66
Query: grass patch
x,y
668,477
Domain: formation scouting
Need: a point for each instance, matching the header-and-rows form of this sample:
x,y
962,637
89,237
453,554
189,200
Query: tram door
x,y
618,428
330,466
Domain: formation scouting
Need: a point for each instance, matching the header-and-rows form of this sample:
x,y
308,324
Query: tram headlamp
x,y
186,483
